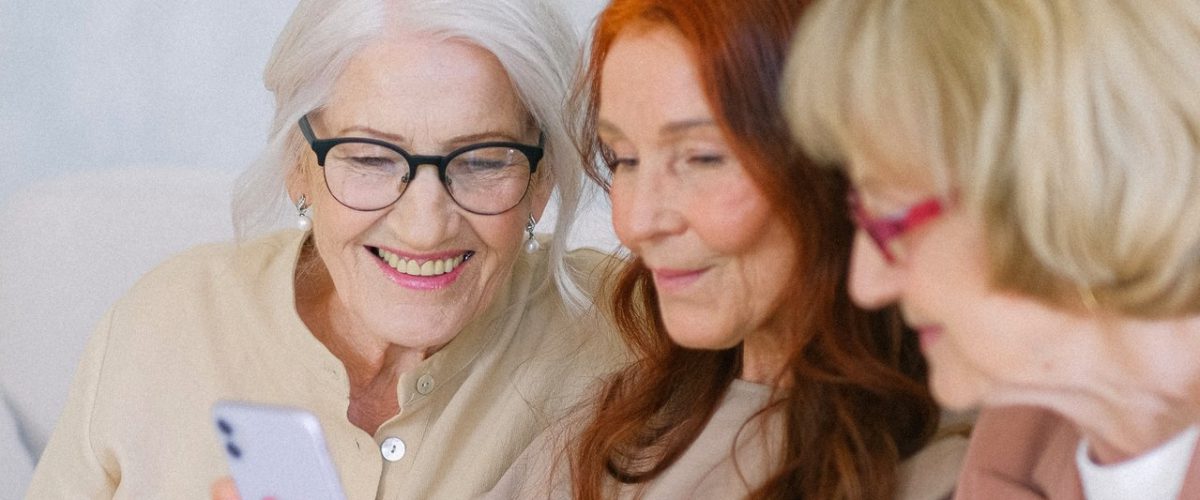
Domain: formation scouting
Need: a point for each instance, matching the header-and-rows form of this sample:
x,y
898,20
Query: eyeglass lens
x,y
885,231
483,180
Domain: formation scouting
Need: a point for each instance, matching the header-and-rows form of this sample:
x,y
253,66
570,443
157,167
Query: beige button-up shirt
x,y
219,322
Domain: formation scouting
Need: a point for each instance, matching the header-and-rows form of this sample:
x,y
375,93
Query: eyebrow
x,y
673,128
372,133
607,128
452,143
488,136
681,126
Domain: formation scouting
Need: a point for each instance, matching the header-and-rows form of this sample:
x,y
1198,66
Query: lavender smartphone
x,y
276,452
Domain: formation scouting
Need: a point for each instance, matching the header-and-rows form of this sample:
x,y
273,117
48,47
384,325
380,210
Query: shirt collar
x,y
1156,474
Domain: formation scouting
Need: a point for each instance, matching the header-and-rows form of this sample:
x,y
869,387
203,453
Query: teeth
x,y
427,268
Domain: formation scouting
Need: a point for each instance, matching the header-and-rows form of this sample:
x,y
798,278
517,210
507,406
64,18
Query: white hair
x,y
1072,127
533,42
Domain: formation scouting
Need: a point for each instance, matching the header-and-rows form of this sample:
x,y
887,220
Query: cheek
x,y
621,197
502,234
331,219
760,250
1024,330
731,221
336,225
338,239
948,273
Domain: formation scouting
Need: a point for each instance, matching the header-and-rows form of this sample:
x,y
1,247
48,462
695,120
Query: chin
x,y
416,332
693,336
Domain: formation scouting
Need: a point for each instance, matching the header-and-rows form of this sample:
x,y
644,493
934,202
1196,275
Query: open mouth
x,y
427,268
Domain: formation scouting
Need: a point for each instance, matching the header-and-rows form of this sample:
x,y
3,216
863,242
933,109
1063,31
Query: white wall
x,y
101,84
95,84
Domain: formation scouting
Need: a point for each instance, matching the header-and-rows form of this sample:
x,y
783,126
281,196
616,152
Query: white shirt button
x,y
393,449
425,384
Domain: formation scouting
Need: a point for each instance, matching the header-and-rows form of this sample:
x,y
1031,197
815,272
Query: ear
x,y
297,180
539,194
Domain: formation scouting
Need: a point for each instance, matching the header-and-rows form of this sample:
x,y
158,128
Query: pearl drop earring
x,y
303,221
531,245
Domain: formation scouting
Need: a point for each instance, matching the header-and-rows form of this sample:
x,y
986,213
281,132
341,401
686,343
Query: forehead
x,y
415,85
648,78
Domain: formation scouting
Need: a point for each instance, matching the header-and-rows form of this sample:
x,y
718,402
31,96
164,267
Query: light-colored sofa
x,y
69,247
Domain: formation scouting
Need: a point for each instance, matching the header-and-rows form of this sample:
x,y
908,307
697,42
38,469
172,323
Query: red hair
x,y
854,395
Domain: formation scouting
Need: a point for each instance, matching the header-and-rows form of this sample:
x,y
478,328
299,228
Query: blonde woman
x,y
1027,187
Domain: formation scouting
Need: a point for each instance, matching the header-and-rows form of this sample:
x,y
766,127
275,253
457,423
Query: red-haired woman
x,y
757,376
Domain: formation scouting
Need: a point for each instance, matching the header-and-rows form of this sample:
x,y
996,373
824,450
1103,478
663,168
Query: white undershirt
x,y
1157,474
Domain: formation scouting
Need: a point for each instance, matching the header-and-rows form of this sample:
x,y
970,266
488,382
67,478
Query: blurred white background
x,y
88,84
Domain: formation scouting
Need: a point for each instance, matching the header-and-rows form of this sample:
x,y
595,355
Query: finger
x,y
225,489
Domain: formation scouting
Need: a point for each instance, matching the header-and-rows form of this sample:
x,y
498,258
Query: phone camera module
x,y
233,450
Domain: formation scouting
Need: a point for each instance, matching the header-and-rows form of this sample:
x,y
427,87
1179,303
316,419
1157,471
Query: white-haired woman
x,y
417,143
1028,189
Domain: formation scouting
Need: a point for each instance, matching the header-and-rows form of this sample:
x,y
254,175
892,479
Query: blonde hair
x,y
534,43
1071,127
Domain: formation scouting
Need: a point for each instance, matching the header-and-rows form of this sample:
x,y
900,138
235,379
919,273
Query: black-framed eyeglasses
x,y
367,174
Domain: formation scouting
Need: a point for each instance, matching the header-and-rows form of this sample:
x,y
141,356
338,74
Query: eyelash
x,y
617,163
610,159
706,160
613,162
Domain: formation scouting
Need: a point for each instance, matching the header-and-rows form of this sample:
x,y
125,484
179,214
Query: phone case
x,y
276,452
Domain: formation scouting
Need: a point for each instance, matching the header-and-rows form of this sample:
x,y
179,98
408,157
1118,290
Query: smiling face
x,y
683,202
430,98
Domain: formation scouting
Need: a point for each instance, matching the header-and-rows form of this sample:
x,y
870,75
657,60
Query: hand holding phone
x,y
276,452
224,489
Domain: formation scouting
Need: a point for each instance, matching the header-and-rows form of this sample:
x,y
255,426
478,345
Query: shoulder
x,y
543,470
217,264
1011,452
551,318
1016,436
212,283
565,352
1019,448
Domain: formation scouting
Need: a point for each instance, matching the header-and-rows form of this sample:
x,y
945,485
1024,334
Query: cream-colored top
x,y
219,322
709,469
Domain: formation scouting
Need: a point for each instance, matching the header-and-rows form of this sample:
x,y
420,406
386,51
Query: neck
x,y
1140,389
1123,423
765,358
373,365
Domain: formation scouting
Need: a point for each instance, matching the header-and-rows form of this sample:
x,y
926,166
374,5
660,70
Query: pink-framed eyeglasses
x,y
884,230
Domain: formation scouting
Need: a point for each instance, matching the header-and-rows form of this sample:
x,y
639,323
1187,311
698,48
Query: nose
x,y
425,215
645,206
874,282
